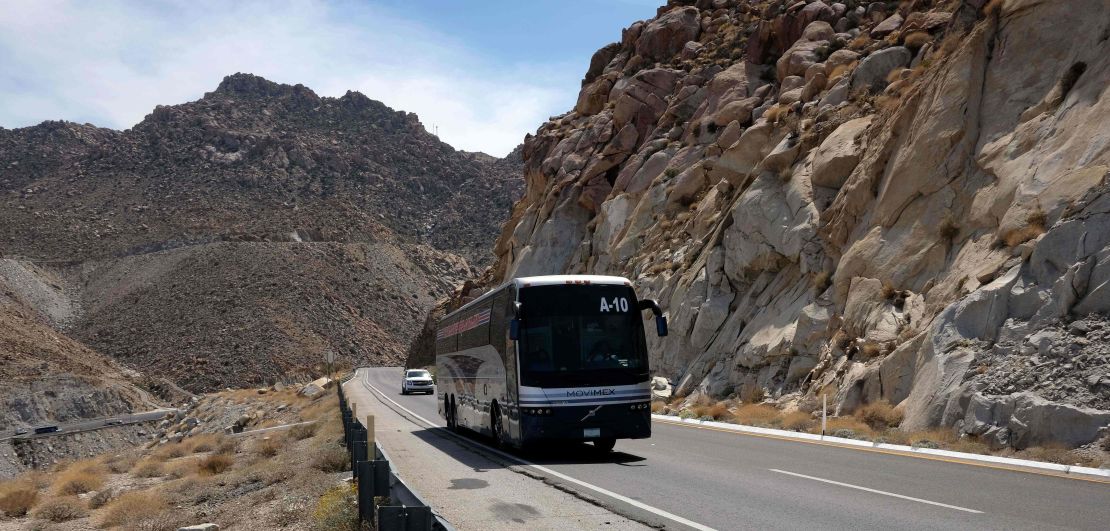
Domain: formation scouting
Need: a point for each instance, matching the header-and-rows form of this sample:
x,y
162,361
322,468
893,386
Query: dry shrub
x,y
1037,218
948,228
60,509
204,443
149,468
916,39
969,445
227,445
880,415
837,72
657,406
821,281
269,446
135,510
776,113
751,394
798,421
338,509
842,424
101,498
888,291
181,468
171,451
121,463
332,459
1019,236
17,497
938,436
757,415
860,42
870,350
302,431
715,411
79,478
215,464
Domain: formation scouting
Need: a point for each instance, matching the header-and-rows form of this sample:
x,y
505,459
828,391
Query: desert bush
x,y
847,427
670,172
860,42
916,39
17,497
227,445
215,464
821,281
948,229
101,498
757,415
204,443
181,468
121,463
149,468
135,510
879,415
797,421
751,394
332,459
657,406
269,446
869,350
171,451
61,509
337,509
302,431
776,113
79,479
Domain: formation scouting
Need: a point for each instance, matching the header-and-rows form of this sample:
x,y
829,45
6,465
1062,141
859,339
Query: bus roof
x,y
546,280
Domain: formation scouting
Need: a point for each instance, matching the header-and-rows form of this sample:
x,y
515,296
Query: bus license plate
x,y
591,432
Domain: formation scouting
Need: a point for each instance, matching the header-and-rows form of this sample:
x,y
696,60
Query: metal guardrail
x,y
383,498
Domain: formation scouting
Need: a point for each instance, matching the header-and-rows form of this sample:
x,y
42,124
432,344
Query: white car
x,y
417,381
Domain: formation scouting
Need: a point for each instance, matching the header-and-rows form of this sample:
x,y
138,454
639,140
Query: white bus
x,y
548,358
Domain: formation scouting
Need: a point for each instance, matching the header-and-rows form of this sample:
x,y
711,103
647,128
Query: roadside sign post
x,y
824,412
329,358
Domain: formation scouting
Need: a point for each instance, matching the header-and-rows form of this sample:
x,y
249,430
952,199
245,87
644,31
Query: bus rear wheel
x,y
604,445
451,413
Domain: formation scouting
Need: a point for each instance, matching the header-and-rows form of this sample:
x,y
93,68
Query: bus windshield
x,y
581,335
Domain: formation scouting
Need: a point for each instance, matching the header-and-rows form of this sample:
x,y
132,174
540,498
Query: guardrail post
x,y
402,518
368,423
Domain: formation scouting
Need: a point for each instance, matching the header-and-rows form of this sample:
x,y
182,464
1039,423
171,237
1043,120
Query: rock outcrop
x,y
865,200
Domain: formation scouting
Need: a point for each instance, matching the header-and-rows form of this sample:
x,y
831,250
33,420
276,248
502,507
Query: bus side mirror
x,y
660,321
661,325
514,329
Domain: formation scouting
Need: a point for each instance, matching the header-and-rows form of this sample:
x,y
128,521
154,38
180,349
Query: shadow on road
x,y
468,447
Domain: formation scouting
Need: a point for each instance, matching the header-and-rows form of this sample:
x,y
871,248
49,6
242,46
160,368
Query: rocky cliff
x,y
901,201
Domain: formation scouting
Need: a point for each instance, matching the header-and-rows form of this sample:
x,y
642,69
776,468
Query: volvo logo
x,y
591,392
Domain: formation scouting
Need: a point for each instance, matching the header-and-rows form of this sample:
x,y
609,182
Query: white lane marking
x,y
605,492
883,492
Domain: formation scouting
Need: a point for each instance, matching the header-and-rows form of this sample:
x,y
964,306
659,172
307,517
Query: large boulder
x,y
665,36
838,155
872,70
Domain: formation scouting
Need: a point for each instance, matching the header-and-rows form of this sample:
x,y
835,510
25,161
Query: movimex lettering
x,y
591,392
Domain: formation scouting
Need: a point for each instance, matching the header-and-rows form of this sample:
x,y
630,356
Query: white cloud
x,y
110,63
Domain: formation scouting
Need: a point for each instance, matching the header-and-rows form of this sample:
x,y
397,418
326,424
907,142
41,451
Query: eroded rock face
x,y
810,229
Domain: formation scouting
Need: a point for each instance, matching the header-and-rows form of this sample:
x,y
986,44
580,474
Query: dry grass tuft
x,y
215,464
757,415
135,510
61,510
79,478
149,468
302,432
948,229
171,451
838,72
1017,237
849,427
206,442
657,406
821,281
751,394
879,415
332,459
120,463
798,421
338,509
101,498
776,113
17,497
269,446
870,350
916,39
860,42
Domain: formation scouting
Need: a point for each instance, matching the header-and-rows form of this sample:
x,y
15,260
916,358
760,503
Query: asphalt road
x,y
65,428
729,480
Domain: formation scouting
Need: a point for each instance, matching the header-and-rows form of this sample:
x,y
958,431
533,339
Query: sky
x,y
484,73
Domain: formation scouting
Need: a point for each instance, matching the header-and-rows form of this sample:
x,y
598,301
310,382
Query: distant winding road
x,y
67,428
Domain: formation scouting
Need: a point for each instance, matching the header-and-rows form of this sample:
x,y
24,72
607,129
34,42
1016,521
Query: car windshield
x,y
417,374
581,335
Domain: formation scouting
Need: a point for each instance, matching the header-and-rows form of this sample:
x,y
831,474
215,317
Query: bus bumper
x,y
585,423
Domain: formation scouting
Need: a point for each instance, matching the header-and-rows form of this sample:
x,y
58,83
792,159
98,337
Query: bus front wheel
x,y
604,445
